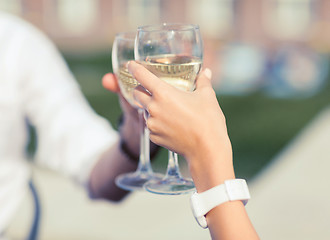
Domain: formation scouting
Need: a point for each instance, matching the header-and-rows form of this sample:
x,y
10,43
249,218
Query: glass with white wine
x,y
174,53
122,52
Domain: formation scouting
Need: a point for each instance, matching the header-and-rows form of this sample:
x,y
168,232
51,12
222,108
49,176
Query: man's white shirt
x,y
37,87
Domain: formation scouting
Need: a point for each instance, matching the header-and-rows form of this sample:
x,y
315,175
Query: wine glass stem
x,y
144,161
173,170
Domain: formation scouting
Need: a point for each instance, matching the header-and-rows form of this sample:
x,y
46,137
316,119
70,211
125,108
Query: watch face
x,y
201,221
295,72
194,203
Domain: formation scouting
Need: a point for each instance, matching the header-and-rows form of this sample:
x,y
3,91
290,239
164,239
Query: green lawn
x,y
259,127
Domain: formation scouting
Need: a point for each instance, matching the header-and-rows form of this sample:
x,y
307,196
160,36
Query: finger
x,y
144,77
141,96
204,79
109,82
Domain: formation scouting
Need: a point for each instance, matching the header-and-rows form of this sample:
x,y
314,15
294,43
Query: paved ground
x,y
69,215
290,200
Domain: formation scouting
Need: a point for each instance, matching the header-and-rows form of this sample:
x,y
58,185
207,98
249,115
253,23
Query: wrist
x,y
130,140
209,152
211,170
206,178
129,136
230,190
125,150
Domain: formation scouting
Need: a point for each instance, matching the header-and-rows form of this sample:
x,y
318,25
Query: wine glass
x,y
172,52
122,52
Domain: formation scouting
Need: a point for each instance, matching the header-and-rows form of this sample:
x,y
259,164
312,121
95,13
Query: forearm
x,y
121,158
211,164
228,220
102,178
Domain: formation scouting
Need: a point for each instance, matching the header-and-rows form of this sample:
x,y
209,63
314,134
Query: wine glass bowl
x,y
174,53
122,53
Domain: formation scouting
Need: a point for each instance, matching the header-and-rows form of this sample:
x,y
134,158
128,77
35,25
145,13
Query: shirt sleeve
x,y
71,137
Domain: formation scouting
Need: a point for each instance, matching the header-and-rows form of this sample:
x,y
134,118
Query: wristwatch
x,y
231,190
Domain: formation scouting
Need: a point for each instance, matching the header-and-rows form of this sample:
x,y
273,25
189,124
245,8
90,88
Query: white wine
x,y
127,84
179,71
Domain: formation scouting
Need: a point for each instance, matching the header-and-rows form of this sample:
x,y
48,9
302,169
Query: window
x,y
11,6
77,17
142,12
214,17
287,19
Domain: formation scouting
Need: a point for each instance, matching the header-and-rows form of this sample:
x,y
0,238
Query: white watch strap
x,y
231,190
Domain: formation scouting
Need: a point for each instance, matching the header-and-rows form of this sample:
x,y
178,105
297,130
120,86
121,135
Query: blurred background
x,y
270,61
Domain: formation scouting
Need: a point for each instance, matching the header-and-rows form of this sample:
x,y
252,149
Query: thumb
x,y
204,79
110,83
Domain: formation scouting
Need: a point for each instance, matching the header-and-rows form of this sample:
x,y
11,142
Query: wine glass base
x,y
135,181
170,186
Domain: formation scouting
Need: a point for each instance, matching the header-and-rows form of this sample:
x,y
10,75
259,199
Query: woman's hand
x,y
178,120
189,123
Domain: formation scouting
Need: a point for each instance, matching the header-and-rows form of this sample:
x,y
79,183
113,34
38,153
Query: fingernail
x,y
208,73
128,65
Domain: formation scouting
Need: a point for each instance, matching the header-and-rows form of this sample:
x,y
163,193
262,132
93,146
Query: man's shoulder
x,y
7,19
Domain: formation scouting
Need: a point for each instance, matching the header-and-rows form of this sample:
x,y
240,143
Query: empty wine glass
x,y
122,52
172,52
